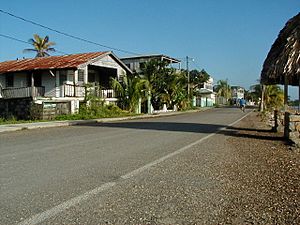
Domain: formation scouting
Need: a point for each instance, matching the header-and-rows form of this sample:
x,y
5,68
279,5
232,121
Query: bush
x,y
95,111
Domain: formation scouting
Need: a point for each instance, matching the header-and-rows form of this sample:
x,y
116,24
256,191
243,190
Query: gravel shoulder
x,y
264,176
243,175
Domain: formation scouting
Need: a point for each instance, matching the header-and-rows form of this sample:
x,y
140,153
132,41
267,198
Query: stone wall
x,y
18,108
278,119
26,108
294,129
52,109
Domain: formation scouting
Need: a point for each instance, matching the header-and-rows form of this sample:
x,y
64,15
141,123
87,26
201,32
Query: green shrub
x,y
94,111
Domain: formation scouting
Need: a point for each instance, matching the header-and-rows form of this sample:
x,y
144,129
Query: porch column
x,y
57,87
86,73
32,85
75,81
286,113
76,76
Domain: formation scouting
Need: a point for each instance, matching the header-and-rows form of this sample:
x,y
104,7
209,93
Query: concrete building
x,y
135,63
205,96
237,92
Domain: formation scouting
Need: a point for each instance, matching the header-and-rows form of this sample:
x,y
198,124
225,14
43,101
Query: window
x,y
128,65
80,75
70,75
9,80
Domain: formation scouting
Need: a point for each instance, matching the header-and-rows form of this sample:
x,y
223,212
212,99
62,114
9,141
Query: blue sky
x,y
228,38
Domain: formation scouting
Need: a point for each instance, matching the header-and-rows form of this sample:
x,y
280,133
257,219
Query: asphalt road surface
x,y
91,174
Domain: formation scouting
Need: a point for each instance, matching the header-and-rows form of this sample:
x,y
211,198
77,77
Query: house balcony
x,y
22,92
63,91
70,90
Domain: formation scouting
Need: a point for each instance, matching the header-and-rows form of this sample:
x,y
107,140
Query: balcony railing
x,y
66,90
23,92
102,93
71,90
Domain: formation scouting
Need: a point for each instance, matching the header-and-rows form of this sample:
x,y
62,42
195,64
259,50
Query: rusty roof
x,y
51,62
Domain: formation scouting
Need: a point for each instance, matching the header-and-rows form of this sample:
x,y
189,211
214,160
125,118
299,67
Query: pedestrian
x,y
242,104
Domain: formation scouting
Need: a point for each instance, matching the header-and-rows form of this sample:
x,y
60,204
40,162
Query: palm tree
x,y
178,90
131,90
167,86
223,89
40,45
273,97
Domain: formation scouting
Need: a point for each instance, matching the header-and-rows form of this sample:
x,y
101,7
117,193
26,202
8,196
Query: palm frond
x,y
29,50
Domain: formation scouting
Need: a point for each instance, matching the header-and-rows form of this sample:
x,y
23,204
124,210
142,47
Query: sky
x,y
230,39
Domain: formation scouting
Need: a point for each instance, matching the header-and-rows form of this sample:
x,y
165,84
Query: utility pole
x,y
188,77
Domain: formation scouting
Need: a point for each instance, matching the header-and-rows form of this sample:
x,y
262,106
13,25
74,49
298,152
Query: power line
x,y
66,34
26,42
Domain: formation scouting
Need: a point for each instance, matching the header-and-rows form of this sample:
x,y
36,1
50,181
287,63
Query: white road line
x,y
40,217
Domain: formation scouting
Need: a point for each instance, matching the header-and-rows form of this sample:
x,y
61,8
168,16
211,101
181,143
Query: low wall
x,y
48,110
287,122
18,108
294,129
27,108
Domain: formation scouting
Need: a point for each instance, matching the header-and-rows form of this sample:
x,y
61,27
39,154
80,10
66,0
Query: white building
x,y
61,78
205,97
237,92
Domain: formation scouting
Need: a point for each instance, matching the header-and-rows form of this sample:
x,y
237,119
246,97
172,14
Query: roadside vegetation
x,y
13,120
158,85
96,111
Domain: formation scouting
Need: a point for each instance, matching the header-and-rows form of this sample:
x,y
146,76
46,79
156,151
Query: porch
x,y
63,91
22,92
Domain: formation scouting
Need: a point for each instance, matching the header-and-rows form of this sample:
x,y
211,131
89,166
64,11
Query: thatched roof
x,y
284,56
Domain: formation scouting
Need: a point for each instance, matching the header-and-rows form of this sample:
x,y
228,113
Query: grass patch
x,y
15,121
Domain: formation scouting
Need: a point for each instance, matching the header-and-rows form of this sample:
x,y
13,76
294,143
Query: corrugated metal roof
x,y
51,62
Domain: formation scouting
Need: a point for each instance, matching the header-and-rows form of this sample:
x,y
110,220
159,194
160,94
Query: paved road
x,y
45,173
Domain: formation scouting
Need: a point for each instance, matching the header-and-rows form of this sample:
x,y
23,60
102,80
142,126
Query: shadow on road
x,y
164,126
250,129
265,134
254,134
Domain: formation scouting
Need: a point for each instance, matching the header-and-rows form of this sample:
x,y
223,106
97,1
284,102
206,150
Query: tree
x,y
223,89
40,45
254,94
167,86
131,90
198,78
273,97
